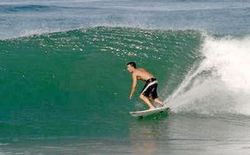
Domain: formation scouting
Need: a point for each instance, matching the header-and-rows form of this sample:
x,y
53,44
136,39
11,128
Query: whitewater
x,y
218,84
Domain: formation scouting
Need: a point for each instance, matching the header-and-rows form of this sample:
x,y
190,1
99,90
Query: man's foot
x,y
162,105
151,108
159,102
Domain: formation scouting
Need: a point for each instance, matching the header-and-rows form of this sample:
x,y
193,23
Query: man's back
x,y
142,74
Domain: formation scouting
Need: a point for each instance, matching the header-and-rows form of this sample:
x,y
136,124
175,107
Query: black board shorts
x,y
150,88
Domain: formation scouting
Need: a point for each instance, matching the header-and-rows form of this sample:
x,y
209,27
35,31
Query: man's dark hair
x,y
132,64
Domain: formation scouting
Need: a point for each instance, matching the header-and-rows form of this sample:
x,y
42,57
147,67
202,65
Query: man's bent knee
x,y
142,96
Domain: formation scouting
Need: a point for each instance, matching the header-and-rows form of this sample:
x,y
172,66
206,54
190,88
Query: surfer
x,y
149,91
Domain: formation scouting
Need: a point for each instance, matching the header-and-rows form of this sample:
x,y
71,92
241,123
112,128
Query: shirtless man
x,y
149,91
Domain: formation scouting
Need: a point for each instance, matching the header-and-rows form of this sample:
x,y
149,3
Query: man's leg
x,y
146,100
157,100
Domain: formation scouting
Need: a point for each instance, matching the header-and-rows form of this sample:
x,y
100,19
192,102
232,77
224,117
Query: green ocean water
x,y
75,85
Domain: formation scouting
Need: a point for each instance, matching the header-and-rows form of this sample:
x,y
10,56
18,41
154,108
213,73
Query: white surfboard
x,y
144,113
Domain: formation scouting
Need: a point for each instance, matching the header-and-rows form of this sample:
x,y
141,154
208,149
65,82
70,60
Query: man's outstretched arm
x,y
134,83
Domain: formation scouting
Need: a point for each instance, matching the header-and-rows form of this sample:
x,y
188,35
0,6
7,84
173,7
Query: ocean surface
x,y
64,86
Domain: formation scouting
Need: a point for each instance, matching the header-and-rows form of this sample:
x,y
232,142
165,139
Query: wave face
x,y
75,83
